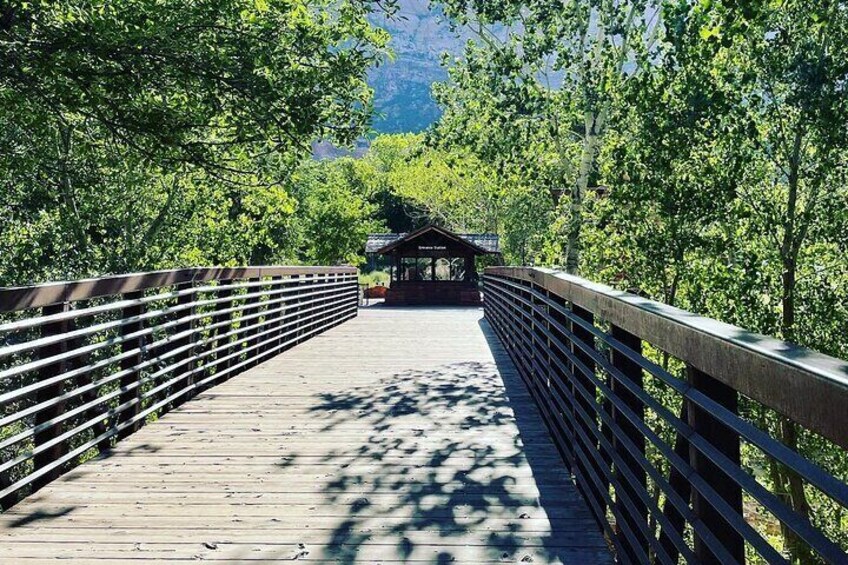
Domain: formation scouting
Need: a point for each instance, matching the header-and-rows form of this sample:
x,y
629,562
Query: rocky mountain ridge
x,y
402,87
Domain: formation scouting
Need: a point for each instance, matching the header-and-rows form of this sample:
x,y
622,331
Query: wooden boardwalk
x,y
404,435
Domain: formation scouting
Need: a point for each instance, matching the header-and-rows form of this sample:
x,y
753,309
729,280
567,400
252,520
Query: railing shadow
x,y
40,516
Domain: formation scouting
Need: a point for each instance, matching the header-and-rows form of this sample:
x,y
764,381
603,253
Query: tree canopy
x,y
141,133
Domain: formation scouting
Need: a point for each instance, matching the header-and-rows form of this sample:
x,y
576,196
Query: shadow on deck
x,y
392,438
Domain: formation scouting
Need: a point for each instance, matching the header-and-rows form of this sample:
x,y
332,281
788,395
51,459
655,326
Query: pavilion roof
x,y
383,242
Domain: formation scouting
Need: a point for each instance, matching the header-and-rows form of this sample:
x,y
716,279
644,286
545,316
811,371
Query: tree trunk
x,y
591,140
141,247
790,244
66,188
789,485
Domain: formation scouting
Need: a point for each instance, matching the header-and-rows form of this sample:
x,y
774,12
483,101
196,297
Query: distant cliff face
x,y
402,95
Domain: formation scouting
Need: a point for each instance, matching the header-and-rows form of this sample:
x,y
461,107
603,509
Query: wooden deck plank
x,y
404,435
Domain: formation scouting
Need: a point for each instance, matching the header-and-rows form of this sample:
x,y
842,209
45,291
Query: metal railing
x,y
86,363
659,415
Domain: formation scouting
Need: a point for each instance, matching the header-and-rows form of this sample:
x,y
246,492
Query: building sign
x,y
432,247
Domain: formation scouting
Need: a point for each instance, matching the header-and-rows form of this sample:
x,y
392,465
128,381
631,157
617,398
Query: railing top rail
x,y
19,298
806,386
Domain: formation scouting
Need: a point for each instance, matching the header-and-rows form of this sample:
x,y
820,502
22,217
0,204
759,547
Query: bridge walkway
x,y
403,435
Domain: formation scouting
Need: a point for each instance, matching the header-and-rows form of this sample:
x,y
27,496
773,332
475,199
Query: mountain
x,y
402,96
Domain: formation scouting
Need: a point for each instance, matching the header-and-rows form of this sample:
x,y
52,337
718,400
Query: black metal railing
x,y
663,419
86,363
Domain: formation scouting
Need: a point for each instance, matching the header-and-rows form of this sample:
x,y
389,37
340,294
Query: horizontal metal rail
x,y
85,363
657,452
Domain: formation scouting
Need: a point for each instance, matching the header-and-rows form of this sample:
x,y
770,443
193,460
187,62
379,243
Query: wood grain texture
x,y
404,435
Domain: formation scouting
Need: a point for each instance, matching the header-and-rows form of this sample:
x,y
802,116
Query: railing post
x,y
582,469
128,363
331,294
539,380
291,308
541,353
255,307
86,379
187,324
726,441
355,283
547,358
561,382
221,316
630,370
346,286
310,281
679,484
269,318
296,308
290,300
261,307
552,410
56,451
278,317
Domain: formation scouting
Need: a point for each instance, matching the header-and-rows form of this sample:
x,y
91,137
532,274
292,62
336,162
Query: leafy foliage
x,y
146,134
335,213
715,139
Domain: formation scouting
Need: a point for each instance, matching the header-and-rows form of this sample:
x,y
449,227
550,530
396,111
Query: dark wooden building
x,y
433,265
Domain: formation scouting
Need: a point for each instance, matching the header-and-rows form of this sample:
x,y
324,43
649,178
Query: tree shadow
x,y
455,465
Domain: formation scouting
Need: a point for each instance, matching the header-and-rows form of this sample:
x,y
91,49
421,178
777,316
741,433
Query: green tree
x,y
334,212
122,120
720,148
591,48
672,170
787,63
